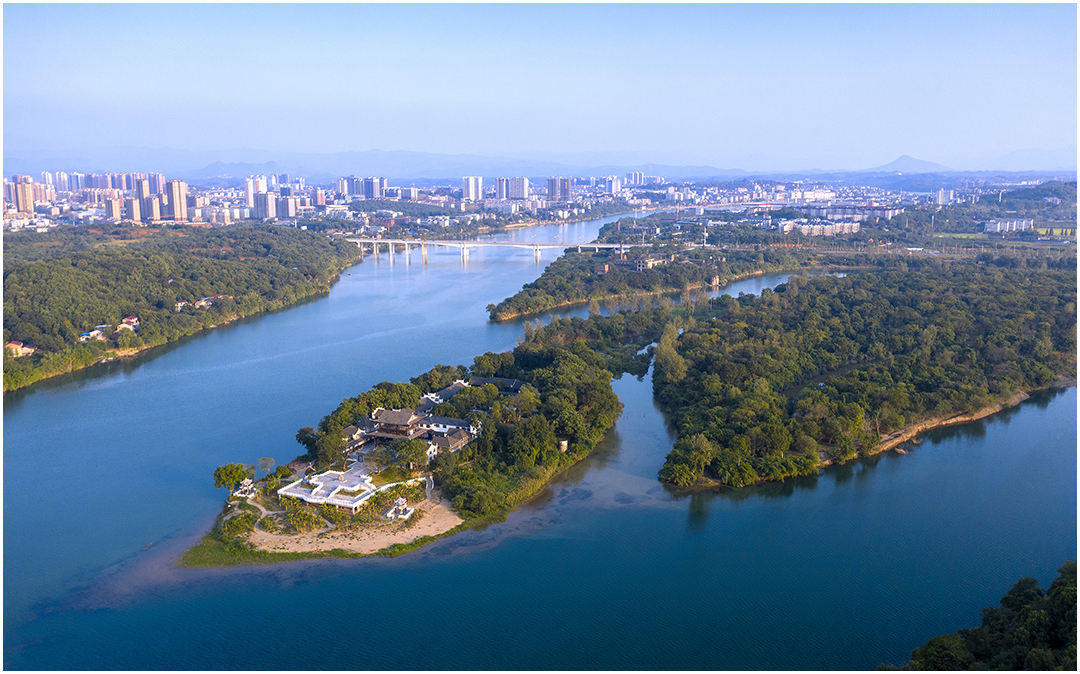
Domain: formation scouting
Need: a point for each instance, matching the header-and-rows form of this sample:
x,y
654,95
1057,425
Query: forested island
x,y
1032,629
61,285
574,278
560,406
825,368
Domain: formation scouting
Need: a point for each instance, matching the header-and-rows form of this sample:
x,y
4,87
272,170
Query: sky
x,y
757,87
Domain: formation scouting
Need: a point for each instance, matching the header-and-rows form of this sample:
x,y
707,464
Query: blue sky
x,y
760,87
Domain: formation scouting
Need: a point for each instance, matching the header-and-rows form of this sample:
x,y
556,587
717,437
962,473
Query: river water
x,y
107,478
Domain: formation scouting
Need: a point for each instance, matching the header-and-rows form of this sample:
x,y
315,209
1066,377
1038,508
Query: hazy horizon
x,y
752,87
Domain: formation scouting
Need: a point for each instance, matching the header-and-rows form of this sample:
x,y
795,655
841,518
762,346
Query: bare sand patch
x,y
437,518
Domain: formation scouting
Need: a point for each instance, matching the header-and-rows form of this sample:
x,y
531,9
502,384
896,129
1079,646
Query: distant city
x,y
62,198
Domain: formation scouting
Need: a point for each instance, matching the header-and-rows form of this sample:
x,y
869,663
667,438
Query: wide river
x,y
107,478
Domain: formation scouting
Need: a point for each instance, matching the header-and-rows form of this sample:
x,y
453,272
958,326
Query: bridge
x,y
536,246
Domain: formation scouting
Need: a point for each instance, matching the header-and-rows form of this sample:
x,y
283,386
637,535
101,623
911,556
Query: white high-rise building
x,y
249,192
519,188
502,188
472,188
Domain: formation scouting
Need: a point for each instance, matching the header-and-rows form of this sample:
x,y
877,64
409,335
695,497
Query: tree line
x,y
50,300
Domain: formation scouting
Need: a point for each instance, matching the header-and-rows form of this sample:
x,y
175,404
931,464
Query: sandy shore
x,y
437,518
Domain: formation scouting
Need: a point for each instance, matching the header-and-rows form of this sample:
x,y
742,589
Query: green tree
x,y
230,475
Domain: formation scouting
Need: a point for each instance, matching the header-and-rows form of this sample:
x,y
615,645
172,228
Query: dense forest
x,y
572,279
567,396
763,385
61,284
1031,629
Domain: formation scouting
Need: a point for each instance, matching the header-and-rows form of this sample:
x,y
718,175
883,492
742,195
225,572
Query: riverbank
x,y
114,353
667,291
893,440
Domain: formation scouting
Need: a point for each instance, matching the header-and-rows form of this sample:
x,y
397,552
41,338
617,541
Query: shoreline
x,y
130,353
893,440
721,286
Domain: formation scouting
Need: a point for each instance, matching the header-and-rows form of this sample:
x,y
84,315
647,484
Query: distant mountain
x,y
908,164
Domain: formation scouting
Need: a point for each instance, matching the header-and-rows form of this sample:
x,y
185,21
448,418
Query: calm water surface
x,y
606,569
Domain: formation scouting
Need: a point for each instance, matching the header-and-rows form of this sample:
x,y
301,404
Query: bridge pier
x,y
423,253
464,253
375,251
390,250
408,254
536,254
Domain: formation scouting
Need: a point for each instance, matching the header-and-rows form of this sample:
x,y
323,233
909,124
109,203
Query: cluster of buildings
x,y
818,227
1006,226
352,487
99,332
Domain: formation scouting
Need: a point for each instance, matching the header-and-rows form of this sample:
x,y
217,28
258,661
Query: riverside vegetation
x,y
764,388
1032,629
60,284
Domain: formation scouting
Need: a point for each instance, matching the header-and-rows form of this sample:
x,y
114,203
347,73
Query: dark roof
x,y
403,417
449,391
502,383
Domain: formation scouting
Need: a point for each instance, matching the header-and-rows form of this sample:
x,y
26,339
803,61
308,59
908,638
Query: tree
x,y
410,453
230,475
306,436
265,464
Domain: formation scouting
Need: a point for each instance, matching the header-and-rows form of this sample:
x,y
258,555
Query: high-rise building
x,y
142,188
249,192
502,188
177,193
286,207
409,193
151,208
157,183
559,189
114,209
260,185
320,198
77,181
265,206
472,188
373,188
519,188
271,182
131,209
283,179
612,184
635,178
46,178
24,195
286,190
343,186
62,182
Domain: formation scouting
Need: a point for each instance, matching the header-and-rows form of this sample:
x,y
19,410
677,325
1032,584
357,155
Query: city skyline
x,y
758,88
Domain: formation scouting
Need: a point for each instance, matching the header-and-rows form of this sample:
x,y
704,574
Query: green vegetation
x,y
1032,629
568,398
63,283
894,347
571,279
230,475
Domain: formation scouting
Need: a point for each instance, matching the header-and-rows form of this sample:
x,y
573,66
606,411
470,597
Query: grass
x,y
959,235
391,474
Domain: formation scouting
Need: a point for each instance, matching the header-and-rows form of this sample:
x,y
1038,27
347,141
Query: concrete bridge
x,y
536,246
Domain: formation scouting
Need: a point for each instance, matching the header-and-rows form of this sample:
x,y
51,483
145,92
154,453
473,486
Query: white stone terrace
x,y
328,487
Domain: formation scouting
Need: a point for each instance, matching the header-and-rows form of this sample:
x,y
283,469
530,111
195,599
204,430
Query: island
x,y
406,463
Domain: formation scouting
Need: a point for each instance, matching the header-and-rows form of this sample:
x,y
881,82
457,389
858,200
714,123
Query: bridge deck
x,y
478,244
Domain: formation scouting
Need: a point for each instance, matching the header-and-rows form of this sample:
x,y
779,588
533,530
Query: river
x,y
107,478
